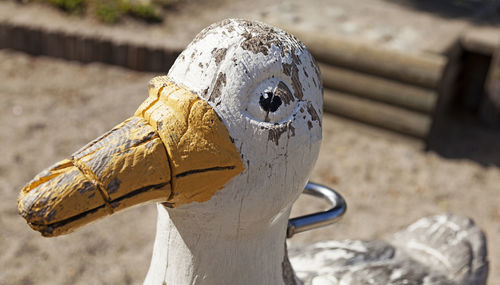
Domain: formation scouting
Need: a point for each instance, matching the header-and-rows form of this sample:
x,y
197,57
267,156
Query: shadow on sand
x,y
463,136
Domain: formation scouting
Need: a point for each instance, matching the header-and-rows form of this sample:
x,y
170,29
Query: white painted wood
x,y
237,237
444,249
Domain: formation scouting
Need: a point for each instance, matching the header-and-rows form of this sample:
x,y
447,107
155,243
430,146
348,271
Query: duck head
x,y
225,142
266,88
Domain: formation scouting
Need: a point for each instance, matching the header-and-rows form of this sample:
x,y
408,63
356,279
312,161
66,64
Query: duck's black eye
x,y
272,101
269,102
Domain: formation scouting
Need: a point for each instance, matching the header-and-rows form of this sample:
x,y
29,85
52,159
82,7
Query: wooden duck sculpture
x,y
224,144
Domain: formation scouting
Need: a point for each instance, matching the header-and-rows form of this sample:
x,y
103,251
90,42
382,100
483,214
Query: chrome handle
x,y
320,219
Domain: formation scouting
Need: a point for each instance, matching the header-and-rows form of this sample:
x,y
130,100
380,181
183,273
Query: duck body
x,y
444,249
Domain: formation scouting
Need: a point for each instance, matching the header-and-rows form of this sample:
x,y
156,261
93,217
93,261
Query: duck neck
x,y
185,254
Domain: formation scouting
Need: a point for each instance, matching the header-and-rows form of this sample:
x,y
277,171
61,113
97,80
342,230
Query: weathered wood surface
x,y
378,114
483,40
446,249
423,70
76,45
175,149
379,89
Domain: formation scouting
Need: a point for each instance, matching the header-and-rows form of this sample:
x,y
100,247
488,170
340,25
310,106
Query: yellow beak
x,y
175,149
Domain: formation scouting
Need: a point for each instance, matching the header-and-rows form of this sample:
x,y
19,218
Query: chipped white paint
x,y
444,249
237,237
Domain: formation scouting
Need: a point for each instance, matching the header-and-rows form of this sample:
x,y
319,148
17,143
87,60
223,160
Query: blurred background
x,y
411,123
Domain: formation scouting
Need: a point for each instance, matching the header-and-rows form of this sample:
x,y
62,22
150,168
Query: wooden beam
x,y
378,114
379,89
423,70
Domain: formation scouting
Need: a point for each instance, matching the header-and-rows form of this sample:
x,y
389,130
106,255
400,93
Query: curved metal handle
x,y
320,219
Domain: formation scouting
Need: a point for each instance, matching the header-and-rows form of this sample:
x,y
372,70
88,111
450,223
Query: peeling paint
x,y
287,270
292,71
113,186
219,55
284,93
276,131
313,113
120,164
216,91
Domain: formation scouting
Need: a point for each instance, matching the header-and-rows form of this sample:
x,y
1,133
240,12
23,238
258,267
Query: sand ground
x,y
49,108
